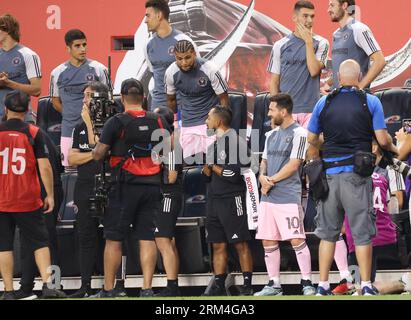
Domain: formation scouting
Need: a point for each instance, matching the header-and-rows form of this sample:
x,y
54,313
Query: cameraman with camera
x,y
348,118
80,155
135,197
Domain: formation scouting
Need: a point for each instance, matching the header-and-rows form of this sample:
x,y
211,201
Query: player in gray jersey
x,y
200,87
67,83
19,65
159,50
354,40
280,213
296,62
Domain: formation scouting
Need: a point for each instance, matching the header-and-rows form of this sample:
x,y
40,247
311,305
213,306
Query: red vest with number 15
x,y
19,182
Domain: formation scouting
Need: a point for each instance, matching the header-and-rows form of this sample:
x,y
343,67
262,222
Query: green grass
x,y
281,298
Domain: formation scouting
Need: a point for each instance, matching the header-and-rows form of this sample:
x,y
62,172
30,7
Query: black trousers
x,y
28,263
87,229
88,232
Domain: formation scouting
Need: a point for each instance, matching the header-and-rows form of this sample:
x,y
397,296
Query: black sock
x,y
27,287
220,279
248,276
85,285
271,283
172,283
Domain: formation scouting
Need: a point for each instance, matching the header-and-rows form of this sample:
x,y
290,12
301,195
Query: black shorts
x,y
227,220
32,226
132,209
167,217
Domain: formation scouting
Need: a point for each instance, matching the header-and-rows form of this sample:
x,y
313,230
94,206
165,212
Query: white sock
x,y
366,284
277,283
324,284
346,275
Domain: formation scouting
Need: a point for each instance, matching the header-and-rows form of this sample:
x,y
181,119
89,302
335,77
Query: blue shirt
x,y
376,110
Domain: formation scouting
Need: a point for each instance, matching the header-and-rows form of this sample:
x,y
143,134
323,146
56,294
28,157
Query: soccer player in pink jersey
x,y
281,215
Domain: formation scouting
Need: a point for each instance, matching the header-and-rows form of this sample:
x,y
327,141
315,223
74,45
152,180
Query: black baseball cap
x,y
17,101
132,86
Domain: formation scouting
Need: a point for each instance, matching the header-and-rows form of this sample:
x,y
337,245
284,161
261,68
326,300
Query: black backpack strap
x,y
124,118
328,101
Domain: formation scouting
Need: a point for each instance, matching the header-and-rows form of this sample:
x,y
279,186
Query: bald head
x,y
350,73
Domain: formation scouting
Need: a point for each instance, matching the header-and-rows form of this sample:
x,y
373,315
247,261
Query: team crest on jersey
x,y
223,155
288,139
89,77
202,82
171,50
346,36
16,61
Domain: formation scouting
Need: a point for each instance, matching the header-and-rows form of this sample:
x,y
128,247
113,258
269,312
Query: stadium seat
x,y
195,193
397,106
68,210
66,234
261,121
49,119
192,248
238,104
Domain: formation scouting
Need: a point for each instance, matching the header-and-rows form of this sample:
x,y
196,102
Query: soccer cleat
x,y
406,280
102,294
48,293
169,292
119,290
215,291
8,295
344,288
83,292
367,291
322,292
146,293
269,291
308,288
24,295
246,290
